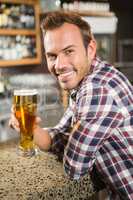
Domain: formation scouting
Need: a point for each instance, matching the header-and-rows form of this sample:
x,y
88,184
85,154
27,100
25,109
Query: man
x,y
99,119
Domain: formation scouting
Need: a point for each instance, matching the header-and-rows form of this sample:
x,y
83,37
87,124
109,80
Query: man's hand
x,y
41,136
13,122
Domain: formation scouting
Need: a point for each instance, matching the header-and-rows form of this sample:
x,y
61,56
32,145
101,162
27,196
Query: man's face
x,y
66,55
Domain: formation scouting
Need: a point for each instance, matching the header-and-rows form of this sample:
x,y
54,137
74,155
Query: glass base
x,y
27,152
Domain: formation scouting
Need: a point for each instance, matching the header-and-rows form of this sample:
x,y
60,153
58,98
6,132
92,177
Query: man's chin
x,y
67,86
64,87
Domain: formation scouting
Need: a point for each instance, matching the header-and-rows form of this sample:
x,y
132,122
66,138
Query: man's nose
x,y
61,61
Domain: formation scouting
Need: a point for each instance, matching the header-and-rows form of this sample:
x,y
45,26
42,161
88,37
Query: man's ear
x,y
91,49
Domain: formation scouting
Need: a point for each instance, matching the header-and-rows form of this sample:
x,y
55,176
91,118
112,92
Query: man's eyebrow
x,y
64,49
50,54
70,46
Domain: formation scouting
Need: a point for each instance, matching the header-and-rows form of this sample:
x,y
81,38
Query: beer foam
x,y
25,92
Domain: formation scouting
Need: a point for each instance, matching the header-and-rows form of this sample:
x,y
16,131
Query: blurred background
x,y
22,60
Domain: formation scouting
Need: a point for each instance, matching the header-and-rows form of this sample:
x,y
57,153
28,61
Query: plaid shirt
x,y
101,114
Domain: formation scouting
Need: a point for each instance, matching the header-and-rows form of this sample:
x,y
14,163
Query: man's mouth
x,y
65,76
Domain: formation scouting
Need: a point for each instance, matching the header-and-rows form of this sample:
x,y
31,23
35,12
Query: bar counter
x,y
36,178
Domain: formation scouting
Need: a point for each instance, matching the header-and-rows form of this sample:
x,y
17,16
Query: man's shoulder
x,y
103,75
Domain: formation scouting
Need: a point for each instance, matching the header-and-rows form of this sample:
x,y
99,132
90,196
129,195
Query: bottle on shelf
x,y
17,16
17,47
19,33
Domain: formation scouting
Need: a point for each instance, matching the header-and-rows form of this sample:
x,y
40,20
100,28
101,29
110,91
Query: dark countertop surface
x,y
36,178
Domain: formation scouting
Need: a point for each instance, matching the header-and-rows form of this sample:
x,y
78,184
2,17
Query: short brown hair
x,y
55,19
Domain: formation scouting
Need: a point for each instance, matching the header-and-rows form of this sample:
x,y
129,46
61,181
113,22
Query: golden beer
x,y
25,105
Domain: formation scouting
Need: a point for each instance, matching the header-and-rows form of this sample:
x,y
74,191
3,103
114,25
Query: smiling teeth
x,y
66,73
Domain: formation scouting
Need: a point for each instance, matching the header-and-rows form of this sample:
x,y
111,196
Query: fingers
x,y
38,120
12,109
13,122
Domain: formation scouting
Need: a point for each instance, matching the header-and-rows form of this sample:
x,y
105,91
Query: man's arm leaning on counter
x,y
54,138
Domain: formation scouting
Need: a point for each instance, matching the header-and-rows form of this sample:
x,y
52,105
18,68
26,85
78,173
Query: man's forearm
x,y
42,138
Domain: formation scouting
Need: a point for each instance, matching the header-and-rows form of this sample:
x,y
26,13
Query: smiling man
x,y
66,55
96,131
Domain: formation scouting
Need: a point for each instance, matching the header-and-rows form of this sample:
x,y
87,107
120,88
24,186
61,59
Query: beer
x,y
25,105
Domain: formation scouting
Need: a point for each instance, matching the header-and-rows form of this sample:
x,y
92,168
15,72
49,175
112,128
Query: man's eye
x,y
69,51
51,57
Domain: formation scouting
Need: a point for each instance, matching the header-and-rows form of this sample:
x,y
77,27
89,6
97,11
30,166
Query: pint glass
x,y
25,106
